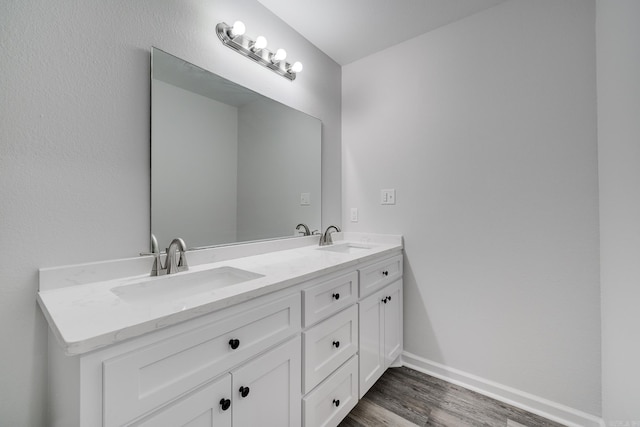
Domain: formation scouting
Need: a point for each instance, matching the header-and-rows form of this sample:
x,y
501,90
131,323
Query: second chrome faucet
x,y
326,239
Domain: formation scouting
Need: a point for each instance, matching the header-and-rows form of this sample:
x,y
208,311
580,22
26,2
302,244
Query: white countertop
x,y
85,315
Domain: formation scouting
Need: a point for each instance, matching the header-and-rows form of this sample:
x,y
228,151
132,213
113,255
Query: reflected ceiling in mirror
x,y
228,165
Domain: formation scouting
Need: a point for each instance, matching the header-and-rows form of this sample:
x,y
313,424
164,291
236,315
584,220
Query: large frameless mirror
x,y
228,165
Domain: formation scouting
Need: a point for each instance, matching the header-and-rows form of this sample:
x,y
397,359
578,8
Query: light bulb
x,y
296,67
237,29
280,55
260,43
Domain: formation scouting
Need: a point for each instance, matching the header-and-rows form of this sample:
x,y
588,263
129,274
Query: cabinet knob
x,y
336,344
336,402
336,296
234,343
385,300
225,404
385,273
244,391
389,297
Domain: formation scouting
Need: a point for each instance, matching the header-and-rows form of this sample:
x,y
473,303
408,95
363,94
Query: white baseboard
x,y
520,399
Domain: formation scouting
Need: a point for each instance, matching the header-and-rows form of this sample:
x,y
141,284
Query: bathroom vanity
x,y
280,333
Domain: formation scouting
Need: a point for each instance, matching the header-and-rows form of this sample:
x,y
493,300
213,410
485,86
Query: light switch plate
x,y
305,199
388,197
354,214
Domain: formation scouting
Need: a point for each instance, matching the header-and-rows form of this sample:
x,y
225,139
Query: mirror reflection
x,y
228,165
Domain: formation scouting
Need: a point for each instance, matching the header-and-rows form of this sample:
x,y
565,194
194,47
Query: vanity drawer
x,y
379,275
142,380
328,404
329,297
328,345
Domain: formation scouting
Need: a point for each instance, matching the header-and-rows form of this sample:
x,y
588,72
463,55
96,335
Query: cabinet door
x,y
202,408
371,318
392,322
266,390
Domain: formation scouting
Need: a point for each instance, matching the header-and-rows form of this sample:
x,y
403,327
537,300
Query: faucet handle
x,y
157,269
326,239
154,244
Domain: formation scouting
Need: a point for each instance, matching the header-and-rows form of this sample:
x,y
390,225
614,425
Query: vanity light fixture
x,y
233,37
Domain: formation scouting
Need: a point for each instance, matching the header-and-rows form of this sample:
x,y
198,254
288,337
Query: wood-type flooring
x,y
403,397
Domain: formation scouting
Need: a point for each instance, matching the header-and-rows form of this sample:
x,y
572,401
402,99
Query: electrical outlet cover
x,y
388,197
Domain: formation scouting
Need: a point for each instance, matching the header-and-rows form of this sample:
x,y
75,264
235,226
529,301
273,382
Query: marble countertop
x,y
88,315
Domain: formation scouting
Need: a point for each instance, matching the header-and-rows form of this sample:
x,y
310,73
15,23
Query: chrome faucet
x,y
326,239
306,231
176,258
172,264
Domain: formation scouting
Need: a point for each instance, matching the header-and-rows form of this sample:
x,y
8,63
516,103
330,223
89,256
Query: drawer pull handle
x,y
244,391
336,344
234,343
225,404
336,402
385,273
336,296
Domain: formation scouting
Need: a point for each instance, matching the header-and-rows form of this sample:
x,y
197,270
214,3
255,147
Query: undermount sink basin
x,y
346,248
184,284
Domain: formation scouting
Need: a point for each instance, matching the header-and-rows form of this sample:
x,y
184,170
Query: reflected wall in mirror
x,y
228,165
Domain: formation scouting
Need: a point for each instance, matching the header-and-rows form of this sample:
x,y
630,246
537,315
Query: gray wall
x,y
74,143
486,128
619,169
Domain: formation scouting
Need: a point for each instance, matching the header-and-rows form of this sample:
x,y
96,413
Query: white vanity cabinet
x,y
380,319
302,355
347,352
140,380
159,378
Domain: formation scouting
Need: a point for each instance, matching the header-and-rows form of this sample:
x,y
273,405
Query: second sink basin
x,y
184,284
346,248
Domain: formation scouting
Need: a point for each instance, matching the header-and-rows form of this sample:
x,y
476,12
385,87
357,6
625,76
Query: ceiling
x,y
348,30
